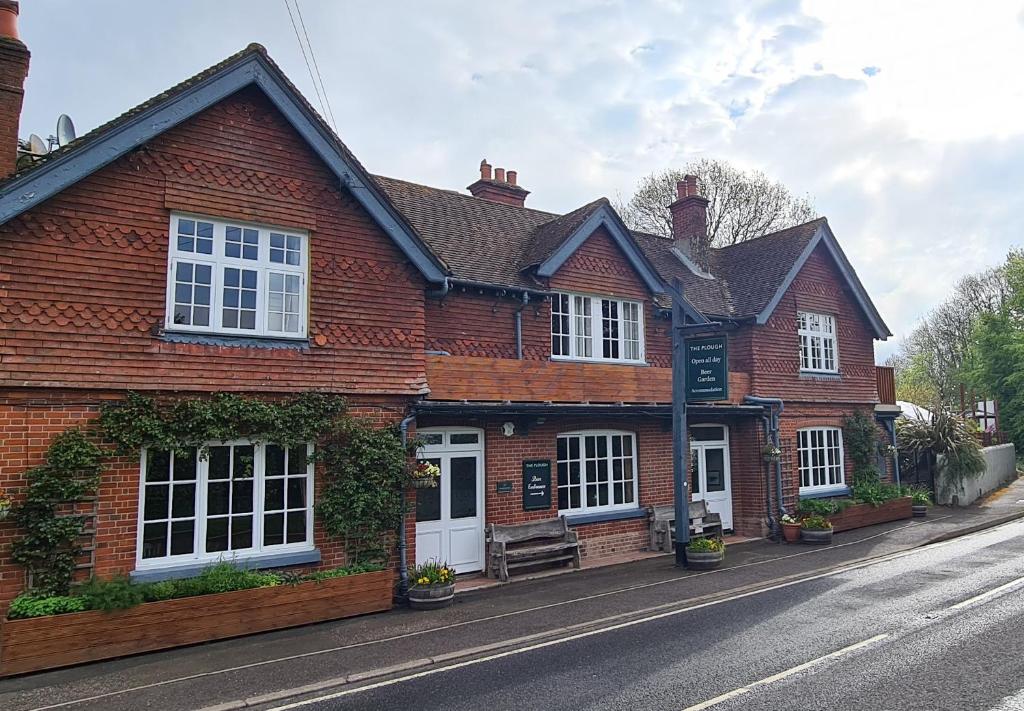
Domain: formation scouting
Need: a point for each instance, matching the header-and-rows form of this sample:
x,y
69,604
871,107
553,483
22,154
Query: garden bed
x,y
39,643
860,515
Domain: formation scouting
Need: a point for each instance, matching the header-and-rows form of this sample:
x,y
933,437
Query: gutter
x,y
773,407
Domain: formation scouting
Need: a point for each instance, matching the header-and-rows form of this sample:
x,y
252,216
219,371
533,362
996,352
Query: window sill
x,y
601,361
231,341
261,561
826,493
599,516
820,375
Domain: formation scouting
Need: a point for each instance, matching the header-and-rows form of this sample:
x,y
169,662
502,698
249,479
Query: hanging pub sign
x,y
707,369
536,484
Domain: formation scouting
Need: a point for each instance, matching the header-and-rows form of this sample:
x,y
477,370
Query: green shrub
x,y
876,492
816,523
706,544
28,605
821,507
115,594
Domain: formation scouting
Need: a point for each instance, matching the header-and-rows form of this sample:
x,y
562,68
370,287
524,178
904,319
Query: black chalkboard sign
x,y
536,484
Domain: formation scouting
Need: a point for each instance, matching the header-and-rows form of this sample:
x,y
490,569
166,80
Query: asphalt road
x,y
937,628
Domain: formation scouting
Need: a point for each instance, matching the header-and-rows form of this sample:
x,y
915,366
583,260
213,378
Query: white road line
x,y
784,674
513,613
986,595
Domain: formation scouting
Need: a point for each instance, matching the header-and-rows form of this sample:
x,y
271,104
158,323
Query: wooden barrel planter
x,y
431,597
860,515
704,560
63,640
821,537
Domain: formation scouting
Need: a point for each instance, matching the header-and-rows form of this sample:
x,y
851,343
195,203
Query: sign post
x,y
700,371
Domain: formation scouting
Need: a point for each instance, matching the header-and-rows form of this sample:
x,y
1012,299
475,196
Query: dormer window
x,y
819,351
236,278
595,328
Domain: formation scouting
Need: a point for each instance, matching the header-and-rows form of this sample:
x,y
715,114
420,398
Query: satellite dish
x,y
65,130
36,146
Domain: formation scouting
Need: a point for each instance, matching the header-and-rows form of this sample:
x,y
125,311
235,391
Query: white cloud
x,y
901,119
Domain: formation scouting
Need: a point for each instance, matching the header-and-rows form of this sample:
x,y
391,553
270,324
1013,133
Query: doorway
x,y
711,478
450,517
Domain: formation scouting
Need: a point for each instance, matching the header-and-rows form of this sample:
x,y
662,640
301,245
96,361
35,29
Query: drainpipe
x,y
403,565
519,325
775,407
441,292
890,425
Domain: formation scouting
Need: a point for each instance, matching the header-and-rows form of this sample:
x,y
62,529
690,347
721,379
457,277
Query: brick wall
x,y
30,419
64,327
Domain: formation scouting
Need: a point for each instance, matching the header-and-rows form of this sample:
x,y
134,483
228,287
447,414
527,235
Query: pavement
x,y
265,669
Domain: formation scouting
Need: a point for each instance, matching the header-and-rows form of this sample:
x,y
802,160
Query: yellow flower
x,y
424,581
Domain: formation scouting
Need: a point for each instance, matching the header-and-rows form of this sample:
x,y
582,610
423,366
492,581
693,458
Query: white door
x,y
711,480
450,518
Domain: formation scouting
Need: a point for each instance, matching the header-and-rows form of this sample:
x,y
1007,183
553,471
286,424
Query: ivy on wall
x,y
50,547
361,502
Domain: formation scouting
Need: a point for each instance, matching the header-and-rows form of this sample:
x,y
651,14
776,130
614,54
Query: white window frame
x,y
200,515
833,457
817,330
580,337
583,507
218,262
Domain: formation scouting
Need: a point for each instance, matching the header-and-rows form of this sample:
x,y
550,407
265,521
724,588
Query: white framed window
x,y
819,352
241,499
595,328
820,452
597,471
236,278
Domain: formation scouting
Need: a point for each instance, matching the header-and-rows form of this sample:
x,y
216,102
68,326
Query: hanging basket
x,y
424,483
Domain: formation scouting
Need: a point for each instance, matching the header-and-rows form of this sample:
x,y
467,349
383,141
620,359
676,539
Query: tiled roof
x,y
550,236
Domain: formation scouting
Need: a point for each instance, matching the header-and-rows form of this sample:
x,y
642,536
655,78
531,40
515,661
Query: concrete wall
x,y
1000,468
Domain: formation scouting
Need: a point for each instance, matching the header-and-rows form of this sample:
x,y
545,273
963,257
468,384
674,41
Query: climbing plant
x,y
50,544
361,502
184,424
860,435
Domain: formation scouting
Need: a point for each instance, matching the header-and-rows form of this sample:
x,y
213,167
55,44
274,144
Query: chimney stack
x,y
690,221
14,58
501,188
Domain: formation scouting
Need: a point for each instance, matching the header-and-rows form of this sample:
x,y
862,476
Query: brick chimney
x,y
13,71
690,221
501,187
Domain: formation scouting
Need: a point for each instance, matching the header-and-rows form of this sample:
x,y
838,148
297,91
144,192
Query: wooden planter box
x,y
860,515
62,640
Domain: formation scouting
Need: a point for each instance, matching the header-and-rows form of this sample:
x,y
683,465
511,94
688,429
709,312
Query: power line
x,y
302,49
312,54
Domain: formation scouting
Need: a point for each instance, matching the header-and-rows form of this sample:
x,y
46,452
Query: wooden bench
x,y
703,524
533,543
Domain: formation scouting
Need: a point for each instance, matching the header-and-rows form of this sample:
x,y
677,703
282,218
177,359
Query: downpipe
x,y
519,325
775,407
403,544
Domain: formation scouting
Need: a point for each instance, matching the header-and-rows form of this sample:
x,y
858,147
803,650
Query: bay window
x,y
818,347
596,471
237,499
234,278
595,328
820,452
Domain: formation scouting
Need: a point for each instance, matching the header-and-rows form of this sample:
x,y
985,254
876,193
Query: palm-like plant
x,y
948,435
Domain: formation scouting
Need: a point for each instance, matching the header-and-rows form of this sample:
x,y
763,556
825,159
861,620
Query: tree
x,y
742,205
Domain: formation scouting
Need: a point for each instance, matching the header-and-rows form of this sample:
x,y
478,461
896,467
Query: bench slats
x,y
532,543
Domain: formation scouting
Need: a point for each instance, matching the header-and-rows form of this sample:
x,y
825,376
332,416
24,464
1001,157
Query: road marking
x,y
513,613
986,595
784,674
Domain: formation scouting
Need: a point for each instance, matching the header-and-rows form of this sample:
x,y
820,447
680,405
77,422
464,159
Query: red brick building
x,y
220,237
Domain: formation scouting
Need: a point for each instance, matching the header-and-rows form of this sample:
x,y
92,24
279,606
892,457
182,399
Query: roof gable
x,y
824,237
252,66
574,229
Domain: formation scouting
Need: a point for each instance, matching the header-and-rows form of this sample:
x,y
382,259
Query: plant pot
x,y
704,560
816,536
791,532
430,483
920,510
431,597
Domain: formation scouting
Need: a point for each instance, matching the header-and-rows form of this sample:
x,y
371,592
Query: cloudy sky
x,y
902,120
